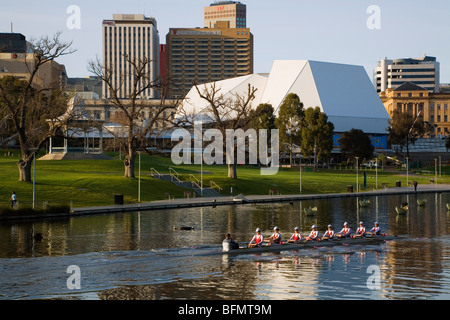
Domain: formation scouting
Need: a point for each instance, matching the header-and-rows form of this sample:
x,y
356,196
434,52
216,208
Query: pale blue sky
x,y
326,30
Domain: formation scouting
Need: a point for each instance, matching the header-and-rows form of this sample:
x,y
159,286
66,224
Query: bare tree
x,y
29,105
234,112
139,118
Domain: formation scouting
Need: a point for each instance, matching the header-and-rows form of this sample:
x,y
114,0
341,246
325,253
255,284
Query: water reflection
x,y
142,256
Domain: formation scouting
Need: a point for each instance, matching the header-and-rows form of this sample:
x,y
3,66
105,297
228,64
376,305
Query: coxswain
x,y
361,231
329,234
376,230
314,235
345,232
229,244
275,238
257,240
296,237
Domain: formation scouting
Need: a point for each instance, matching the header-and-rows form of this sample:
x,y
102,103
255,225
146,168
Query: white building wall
x,y
139,39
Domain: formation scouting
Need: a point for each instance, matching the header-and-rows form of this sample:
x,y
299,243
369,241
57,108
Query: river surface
x,y
141,255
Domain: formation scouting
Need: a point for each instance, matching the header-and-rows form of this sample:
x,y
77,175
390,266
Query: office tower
x,y
233,12
13,43
424,72
202,55
137,37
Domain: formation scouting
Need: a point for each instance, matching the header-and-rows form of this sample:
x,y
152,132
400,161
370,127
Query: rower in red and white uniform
x,y
257,240
361,231
296,237
275,238
329,234
376,230
345,232
314,235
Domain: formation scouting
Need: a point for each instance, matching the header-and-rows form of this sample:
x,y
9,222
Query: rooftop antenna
x,y
12,30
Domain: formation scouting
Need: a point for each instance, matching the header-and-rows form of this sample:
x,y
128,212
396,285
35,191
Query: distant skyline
x,y
331,31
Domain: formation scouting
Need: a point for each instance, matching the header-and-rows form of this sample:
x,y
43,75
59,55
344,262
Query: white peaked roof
x,y
344,92
197,108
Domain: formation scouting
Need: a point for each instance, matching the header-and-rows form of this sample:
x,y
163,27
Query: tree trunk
x,y
24,170
129,165
232,174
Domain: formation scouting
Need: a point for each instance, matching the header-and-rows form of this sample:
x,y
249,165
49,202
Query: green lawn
x,y
92,183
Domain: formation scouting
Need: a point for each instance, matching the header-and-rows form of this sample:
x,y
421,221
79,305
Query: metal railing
x,y
213,184
155,172
175,175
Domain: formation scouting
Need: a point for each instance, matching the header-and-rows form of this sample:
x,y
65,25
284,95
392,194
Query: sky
x,y
340,31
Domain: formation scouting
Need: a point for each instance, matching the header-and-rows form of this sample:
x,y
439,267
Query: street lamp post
x,y
357,174
201,175
34,180
435,171
407,171
376,173
300,162
139,186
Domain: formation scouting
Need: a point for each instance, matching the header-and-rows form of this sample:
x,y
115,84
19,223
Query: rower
x,y
329,234
275,238
376,230
361,231
314,235
229,244
296,237
345,232
257,240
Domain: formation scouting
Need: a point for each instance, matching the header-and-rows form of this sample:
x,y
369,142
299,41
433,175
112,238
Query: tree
x,y
263,117
289,123
355,143
317,134
404,130
139,118
223,113
28,105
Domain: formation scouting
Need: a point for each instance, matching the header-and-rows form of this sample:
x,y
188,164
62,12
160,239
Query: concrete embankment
x,y
223,201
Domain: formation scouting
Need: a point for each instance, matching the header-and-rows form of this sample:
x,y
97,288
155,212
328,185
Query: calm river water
x,y
141,256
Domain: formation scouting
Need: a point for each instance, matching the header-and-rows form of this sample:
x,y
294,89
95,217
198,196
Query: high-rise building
x,y
233,12
391,74
134,36
13,43
202,55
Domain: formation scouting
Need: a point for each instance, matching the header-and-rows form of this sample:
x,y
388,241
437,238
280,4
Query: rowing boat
x,y
311,244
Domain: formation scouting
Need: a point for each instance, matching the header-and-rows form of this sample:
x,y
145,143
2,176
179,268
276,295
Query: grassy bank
x,y
93,183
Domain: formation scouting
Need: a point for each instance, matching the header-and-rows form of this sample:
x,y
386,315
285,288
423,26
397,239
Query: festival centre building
x,y
344,92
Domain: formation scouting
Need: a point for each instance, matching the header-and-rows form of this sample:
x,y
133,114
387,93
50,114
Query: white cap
x,y
296,228
258,230
276,228
314,227
346,224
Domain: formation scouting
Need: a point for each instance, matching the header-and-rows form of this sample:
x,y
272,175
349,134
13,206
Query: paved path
x,y
222,201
